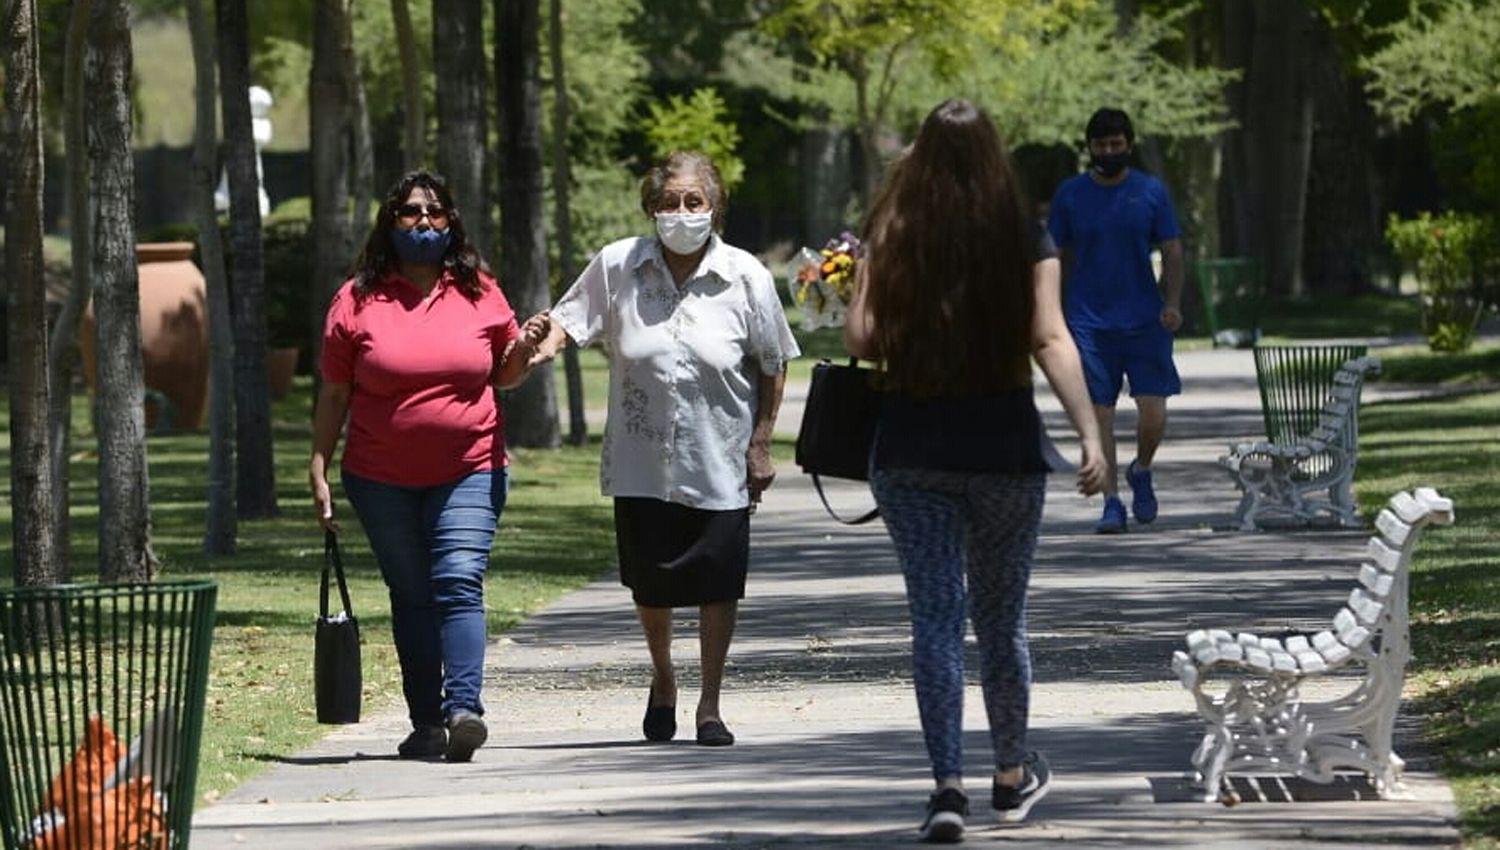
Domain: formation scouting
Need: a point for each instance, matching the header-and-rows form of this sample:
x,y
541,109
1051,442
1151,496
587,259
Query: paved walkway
x,y
819,695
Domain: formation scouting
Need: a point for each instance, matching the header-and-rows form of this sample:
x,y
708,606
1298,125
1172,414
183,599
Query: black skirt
x,y
672,555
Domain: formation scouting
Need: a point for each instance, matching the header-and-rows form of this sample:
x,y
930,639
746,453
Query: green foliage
x,y
1039,69
700,122
605,69
1046,94
1454,257
1451,57
1467,158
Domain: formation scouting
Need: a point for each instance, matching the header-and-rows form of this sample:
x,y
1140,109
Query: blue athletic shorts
x,y
1144,354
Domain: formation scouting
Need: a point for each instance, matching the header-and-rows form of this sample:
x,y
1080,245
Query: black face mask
x,y
1110,165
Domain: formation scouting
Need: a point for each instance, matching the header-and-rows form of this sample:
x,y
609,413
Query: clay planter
x,y
281,364
174,332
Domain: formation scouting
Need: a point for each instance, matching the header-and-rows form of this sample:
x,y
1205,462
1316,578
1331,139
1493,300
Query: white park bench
x,y
1258,722
1314,475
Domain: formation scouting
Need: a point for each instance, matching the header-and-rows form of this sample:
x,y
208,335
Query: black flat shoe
x,y
713,733
660,723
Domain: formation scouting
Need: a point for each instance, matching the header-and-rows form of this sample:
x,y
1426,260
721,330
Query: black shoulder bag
x,y
838,428
337,679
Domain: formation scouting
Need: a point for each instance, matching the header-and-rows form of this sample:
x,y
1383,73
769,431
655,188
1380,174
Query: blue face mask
x,y
421,247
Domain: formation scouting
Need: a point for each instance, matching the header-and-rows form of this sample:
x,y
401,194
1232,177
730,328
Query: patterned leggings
x,y
943,523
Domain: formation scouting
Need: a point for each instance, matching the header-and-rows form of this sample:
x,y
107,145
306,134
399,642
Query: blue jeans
x,y
966,541
433,545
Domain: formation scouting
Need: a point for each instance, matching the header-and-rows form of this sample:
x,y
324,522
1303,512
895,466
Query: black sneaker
x,y
945,817
424,742
1012,804
466,732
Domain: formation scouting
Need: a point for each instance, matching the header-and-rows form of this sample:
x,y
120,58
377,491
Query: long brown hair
x,y
378,258
950,253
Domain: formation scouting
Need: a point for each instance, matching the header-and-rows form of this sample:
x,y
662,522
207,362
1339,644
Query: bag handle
x,y
332,558
860,520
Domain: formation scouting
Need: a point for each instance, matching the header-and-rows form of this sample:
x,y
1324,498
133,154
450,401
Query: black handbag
x,y
337,678
838,428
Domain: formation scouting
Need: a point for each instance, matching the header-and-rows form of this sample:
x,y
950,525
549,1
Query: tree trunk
x,y
1343,219
221,527
871,169
414,123
458,60
35,550
124,503
255,468
330,112
62,347
562,217
1273,146
531,414
362,188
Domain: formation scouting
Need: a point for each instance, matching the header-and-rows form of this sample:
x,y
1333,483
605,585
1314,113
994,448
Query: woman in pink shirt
x,y
413,349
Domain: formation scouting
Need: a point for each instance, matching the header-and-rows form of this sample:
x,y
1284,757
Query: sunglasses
x,y
410,214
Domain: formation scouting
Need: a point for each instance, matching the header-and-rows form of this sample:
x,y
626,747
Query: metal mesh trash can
x,y
1232,289
101,713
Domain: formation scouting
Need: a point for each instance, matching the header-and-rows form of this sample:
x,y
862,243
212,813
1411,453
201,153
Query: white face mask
x,y
684,233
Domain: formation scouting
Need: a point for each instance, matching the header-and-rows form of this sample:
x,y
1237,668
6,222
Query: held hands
x,y
1171,318
1092,469
538,342
759,470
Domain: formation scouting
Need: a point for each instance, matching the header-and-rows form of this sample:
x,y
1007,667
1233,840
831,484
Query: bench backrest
x,y
1379,602
1294,382
1338,419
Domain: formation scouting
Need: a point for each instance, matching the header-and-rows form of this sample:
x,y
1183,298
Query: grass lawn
x,y
1453,445
556,534
1417,365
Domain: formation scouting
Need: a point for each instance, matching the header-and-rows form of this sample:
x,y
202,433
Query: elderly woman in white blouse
x,y
698,346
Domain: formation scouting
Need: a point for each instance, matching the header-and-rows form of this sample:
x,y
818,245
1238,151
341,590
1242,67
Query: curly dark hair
x,y
950,261
378,258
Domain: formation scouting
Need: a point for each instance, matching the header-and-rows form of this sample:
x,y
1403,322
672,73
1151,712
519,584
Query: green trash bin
x,y
1294,382
101,713
1232,289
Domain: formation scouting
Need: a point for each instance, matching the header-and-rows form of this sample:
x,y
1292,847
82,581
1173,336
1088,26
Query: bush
x,y
1455,261
700,123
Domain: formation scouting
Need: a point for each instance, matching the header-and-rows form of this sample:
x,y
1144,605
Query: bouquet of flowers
x,y
822,282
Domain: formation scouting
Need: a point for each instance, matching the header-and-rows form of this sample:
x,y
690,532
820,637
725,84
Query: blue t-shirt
x,y
1108,232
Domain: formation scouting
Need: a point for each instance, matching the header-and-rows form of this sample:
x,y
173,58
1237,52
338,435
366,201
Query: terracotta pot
x,y
174,333
281,364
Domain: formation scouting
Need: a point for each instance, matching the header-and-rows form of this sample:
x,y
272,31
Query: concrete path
x,y
829,750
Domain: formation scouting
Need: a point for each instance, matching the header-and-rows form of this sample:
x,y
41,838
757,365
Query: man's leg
x,y
1106,417
1150,428
1153,378
1104,373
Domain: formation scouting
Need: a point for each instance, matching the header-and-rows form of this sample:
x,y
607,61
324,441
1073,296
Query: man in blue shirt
x,y
1106,222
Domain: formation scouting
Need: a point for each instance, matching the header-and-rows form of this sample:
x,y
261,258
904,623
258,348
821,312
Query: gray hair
x,y
680,164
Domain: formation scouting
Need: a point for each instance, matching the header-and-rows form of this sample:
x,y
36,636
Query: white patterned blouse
x,y
684,367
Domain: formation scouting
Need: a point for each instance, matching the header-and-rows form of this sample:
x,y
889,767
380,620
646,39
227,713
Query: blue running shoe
x,y
1113,521
1143,502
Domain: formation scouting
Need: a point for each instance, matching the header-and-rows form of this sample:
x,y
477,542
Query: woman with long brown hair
x,y
959,291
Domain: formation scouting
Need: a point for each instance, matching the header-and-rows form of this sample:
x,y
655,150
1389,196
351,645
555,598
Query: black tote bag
x,y
337,678
838,428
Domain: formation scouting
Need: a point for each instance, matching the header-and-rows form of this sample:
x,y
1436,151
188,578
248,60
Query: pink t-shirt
x,y
421,408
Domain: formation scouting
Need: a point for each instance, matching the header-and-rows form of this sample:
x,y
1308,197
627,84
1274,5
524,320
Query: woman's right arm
x,y
328,420
1053,348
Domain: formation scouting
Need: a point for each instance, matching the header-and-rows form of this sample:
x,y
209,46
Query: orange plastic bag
x,y
94,817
